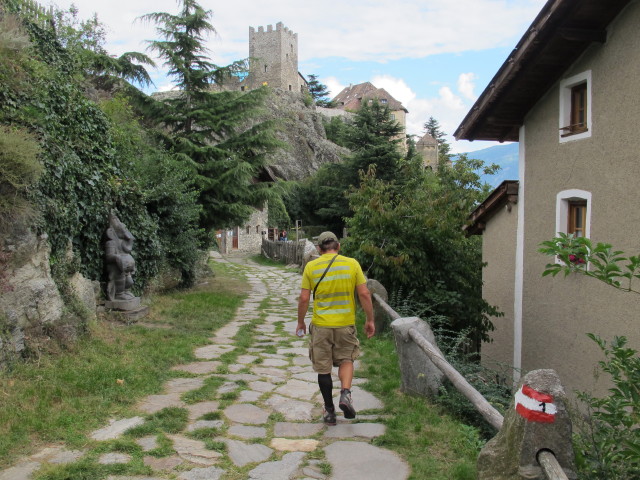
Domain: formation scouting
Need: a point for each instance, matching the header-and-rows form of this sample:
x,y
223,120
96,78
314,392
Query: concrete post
x,y
419,375
537,421
381,317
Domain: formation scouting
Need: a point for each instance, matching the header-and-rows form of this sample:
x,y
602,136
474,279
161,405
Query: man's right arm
x,y
303,306
364,295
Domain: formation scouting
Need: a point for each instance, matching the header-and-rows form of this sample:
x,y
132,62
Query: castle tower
x,y
273,58
427,146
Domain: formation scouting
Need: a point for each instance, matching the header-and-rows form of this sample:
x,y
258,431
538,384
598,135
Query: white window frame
x,y
562,209
565,106
563,199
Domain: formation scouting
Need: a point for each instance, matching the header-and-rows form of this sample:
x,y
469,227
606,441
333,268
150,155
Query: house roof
x,y
505,194
561,32
351,97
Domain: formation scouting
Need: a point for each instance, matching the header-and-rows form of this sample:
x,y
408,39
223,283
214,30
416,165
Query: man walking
x,y
332,279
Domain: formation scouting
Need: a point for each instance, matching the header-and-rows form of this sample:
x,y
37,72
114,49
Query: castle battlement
x,y
269,29
273,57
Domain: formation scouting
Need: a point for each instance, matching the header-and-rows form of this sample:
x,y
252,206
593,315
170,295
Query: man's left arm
x,y
364,295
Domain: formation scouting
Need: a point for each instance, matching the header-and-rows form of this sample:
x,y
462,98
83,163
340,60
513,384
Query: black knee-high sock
x,y
326,387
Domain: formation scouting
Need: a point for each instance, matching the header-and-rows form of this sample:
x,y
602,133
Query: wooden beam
x,y
488,412
583,34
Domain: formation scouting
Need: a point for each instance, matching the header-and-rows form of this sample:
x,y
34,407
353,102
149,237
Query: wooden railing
x,y
545,458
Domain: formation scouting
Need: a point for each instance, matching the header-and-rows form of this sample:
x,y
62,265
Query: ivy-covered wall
x,y
96,158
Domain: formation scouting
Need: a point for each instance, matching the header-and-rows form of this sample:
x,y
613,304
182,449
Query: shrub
x,y
608,439
19,170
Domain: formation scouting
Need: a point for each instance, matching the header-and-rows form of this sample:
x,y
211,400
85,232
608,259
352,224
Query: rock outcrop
x,y
30,299
302,130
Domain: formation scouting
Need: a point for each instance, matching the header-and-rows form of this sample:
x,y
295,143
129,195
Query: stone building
x,y
273,59
245,238
352,98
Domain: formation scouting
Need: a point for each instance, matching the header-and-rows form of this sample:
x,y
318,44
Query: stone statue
x,y
120,266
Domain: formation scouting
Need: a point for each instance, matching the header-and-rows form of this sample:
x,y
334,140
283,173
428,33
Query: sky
x,y
435,56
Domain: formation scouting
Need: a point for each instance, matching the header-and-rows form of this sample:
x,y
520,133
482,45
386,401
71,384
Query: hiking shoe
x,y
329,416
346,405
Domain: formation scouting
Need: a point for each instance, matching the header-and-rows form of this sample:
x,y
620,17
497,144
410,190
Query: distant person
x,y
284,235
333,278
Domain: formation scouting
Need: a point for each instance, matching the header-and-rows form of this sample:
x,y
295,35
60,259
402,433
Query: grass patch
x,y
277,417
62,397
216,445
230,396
167,420
212,416
204,433
267,262
435,445
89,469
204,393
325,468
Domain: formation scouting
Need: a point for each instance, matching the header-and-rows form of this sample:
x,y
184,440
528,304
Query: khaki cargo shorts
x,y
331,346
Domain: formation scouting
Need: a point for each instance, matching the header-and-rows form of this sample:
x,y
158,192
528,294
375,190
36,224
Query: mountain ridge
x,y
506,156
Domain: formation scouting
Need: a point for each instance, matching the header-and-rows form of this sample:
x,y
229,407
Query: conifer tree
x,y
211,131
319,92
432,127
374,139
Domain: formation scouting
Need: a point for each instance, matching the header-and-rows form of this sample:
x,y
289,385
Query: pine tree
x,y
319,92
432,127
374,139
213,132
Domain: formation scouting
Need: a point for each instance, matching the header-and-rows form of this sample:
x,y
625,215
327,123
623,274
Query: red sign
x,y
535,406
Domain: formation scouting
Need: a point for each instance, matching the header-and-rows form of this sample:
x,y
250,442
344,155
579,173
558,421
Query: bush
x,y
607,442
19,170
456,347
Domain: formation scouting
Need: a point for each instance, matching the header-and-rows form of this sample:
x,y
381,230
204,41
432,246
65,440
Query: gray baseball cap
x,y
326,236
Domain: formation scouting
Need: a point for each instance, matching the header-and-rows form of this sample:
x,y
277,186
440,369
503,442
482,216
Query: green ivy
x,y
92,165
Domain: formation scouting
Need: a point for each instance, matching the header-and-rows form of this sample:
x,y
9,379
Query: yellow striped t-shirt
x,y
334,304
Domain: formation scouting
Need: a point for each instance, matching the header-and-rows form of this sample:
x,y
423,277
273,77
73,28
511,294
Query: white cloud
x,y
397,87
381,30
448,108
466,85
333,85
167,87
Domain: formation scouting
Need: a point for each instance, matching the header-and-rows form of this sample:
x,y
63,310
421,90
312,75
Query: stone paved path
x,y
267,410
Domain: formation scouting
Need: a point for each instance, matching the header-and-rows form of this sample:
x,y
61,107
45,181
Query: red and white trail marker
x,y
535,406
